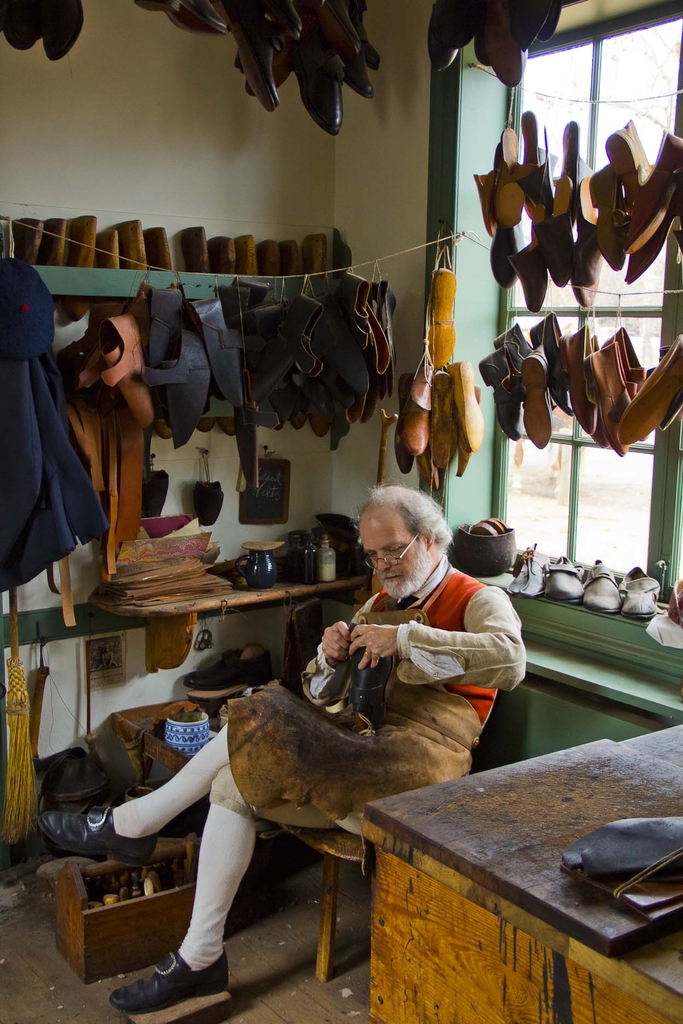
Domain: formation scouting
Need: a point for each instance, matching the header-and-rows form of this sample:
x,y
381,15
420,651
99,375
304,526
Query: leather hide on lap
x,y
282,748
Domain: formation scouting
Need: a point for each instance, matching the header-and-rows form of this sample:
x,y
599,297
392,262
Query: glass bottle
x,y
294,559
326,560
309,560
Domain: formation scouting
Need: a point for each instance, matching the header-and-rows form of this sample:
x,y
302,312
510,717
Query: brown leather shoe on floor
x,y
195,251
81,253
649,407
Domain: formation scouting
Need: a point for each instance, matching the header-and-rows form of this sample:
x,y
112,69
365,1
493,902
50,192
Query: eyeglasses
x,y
390,558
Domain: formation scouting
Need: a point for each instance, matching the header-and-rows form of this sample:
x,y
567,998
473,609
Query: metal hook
x,y
204,458
43,645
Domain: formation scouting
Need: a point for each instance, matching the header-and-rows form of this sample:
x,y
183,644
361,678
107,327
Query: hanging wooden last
x,y
440,308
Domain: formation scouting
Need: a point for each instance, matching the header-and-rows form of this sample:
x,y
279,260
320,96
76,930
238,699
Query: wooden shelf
x,y
238,598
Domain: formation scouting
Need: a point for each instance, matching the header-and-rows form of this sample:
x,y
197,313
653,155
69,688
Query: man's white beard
x,y
402,586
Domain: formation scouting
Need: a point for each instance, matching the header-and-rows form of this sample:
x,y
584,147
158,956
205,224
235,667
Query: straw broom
x,y
19,816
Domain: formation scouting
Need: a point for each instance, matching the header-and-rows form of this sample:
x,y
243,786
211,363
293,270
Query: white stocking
x,y
149,813
224,855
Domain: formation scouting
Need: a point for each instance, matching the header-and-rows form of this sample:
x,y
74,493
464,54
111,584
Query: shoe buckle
x,y
95,824
174,964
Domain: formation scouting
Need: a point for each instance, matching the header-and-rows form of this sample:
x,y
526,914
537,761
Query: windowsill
x,y
603,655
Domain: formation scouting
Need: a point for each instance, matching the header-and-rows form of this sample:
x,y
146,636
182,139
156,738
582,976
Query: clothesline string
x,y
574,99
456,237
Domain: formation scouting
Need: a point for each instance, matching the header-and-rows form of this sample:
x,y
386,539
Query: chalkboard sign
x,y
269,502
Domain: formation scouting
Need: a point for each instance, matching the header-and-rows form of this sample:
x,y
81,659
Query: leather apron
x,y
284,749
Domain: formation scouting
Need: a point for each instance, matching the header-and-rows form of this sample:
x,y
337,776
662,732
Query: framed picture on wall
x,y
105,660
269,502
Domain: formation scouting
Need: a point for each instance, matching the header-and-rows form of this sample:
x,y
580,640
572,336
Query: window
x,y
574,498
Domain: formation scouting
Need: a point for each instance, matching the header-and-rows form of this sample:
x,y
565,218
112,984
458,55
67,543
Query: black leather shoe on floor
x,y
172,981
93,833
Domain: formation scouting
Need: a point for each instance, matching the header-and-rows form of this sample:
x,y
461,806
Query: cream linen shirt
x,y
488,652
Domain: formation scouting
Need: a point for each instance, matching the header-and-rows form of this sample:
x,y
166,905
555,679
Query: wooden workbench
x,y
473,922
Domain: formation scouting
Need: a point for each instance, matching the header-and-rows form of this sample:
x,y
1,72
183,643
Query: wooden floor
x,y
271,952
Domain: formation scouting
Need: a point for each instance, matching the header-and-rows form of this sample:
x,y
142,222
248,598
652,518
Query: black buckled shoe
x,y
172,981
94,833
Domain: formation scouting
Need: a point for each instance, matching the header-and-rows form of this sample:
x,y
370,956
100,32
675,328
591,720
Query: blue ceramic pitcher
x,y
258,568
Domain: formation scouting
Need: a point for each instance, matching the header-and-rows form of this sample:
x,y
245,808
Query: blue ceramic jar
x,y
187,732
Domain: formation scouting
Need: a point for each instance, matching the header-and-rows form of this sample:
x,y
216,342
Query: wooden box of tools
x,y
100,936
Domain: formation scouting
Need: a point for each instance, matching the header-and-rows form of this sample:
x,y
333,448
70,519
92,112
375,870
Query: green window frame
x,y
468,111
664,541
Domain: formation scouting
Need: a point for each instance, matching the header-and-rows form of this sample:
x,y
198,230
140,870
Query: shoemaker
x,y
437,643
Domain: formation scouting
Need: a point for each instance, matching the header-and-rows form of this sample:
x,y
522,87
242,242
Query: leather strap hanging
x,y
64,589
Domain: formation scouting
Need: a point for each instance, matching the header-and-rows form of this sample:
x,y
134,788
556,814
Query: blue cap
x,y
27,321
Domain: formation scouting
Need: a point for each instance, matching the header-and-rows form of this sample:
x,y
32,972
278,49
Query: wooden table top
x,y
505,829
666,744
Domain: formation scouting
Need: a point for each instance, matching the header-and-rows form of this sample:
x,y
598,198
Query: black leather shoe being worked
x,y
172,981
368,688
93,833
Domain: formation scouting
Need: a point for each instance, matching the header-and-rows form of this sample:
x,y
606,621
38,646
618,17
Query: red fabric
x,y
448,612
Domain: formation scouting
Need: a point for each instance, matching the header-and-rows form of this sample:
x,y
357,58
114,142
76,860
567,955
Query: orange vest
x,y
448,612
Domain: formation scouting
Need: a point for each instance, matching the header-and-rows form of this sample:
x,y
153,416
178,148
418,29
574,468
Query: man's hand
x,y
335,643
378,641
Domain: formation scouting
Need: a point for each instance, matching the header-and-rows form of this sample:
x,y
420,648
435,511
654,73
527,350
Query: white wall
x,y
144,121
382,156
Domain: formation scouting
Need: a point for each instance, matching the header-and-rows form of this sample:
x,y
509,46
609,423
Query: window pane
x,y
556,87
538,495
553,87
614,508
636,66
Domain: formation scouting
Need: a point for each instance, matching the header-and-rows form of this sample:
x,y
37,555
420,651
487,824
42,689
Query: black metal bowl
x,y
483,555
